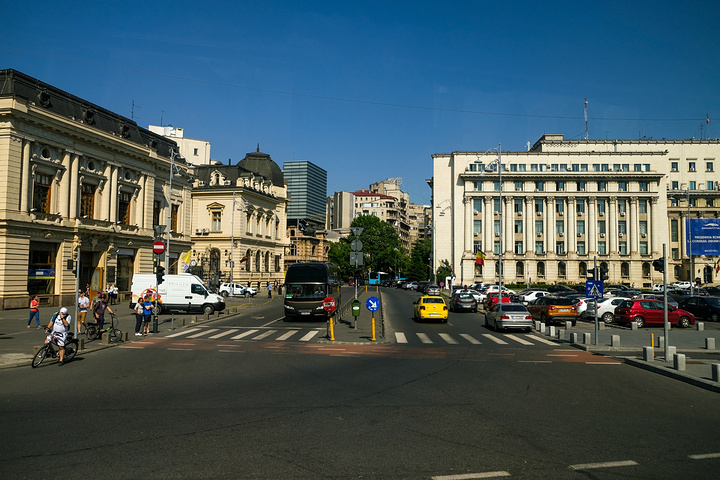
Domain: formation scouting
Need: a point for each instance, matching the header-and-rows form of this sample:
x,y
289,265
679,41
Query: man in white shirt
x,y
58,329
83,305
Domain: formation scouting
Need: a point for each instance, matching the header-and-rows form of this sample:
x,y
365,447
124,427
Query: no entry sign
x,y
158,247
329,304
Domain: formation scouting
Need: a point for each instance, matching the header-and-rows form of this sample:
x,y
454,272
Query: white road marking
x,y
424,338
448,339
590,466
309,336
470,339
470,476
703,456
287,335
543,340
400,337
519,340
184,332
203,333
263,335
495,339
244,334
222,334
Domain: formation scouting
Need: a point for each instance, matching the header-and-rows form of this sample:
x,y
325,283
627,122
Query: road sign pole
x,y
597,325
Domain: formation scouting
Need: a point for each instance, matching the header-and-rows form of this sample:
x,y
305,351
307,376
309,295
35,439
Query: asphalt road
x,y
175,407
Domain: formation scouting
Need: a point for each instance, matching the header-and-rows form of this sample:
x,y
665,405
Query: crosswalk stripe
x,y
264,335
309,336
424,338
543,340
400,337
448,338
223,334
203,333
494,339
287,335
470,339
184,332
519,340
243,335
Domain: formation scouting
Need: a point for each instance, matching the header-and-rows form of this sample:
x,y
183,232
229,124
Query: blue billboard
x,y
704,235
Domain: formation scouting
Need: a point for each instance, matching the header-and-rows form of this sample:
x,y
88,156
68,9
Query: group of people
x,y
143,312
99,307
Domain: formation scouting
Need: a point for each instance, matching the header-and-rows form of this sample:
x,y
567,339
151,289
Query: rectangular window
x,y
87,200
709,185
693,185
676,254
539,206
518,186
174,217
575,167
710,202
216,221
583,167
478,186
604,167
642,206
622,206
554,167
156,212
496,186
622,186
513,168
539,226
560,186
580,226
560,207
124,208
534,167
195,152
539,248
643,227
496,205
581,248
519,248
496,227
691,166
560,248
521,167
477,205
602,186
601,207
709,166
643,186
675,185
41,192
622,246
674,230
674,166
477,227
581,186
601,226
602,248
560,226
580,206
644,248
518,226
539,186
518,205
496,247
596,167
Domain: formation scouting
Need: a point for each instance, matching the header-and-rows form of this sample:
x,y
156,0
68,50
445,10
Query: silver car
x,y
432,290
509,315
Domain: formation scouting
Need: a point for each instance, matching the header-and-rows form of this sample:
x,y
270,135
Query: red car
x,y
492,299
650,312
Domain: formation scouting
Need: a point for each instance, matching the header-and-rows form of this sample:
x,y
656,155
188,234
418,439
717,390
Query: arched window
x,y
678,271
562,270
541,269
646,270
625,270
520,269
582,269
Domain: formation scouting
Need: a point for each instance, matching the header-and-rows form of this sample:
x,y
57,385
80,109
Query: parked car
x,y
560,290
655,296
237,290
606,308
531,295
683,285
651,312
509,315
492,299
712,291
476,295
704,308
432,290
678,295
658,287
430,307
549,309
461,301
581,304
422,286
410,286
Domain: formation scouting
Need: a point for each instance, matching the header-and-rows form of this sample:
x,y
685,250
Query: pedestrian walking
x,y
139,316
83,305
112,294
269,290
34,311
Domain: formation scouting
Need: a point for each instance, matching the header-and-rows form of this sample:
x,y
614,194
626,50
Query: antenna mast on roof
x,y
586,127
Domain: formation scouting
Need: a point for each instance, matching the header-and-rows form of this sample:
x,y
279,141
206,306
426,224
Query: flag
x,y
480,258
244,259
717,266
185,261
707,119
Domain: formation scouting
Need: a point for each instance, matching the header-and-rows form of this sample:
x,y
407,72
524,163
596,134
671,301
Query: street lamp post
x,y
488,169
173,156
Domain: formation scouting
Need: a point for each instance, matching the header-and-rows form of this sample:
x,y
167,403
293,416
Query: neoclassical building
x,y
239,220
79,183
562,204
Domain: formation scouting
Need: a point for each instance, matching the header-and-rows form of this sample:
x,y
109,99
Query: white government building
x,y
566,202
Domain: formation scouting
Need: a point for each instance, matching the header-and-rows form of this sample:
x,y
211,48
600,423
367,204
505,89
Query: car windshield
x,y
463,296
433,300
562,301
626,304
512,307
714,301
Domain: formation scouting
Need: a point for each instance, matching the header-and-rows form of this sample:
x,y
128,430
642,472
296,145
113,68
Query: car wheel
x,y
714,317
543,319
607,317
684,322
224,294
640,321
495,326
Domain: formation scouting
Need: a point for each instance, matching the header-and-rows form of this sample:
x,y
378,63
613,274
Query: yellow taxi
x,y
430,307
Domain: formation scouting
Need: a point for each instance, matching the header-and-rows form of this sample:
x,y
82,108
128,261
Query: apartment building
x,y
554,209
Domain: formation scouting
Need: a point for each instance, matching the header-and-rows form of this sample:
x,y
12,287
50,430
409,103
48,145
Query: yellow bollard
x,y
373,327
332,330
652,340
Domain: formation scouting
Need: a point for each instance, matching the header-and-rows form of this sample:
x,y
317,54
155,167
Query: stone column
x,y
633,224
612,230
591,220
75,191
529,214
468,222
550,226
113,191
488,226
570,226
655,240
26,177
509,227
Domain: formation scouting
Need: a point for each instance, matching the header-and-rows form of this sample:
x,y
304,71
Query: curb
x,y
669,372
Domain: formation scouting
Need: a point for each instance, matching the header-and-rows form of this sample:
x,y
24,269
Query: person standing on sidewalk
x,y
83,304
34,311
147,313
139,317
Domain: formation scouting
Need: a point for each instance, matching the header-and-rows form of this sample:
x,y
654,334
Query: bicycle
x,y
52,349
93,332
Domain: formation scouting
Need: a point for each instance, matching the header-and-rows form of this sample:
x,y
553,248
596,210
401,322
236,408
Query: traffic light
x,y
604,276
160,274
659,265
592,274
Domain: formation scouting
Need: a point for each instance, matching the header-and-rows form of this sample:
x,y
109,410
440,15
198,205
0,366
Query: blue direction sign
x,y
373,304
594,289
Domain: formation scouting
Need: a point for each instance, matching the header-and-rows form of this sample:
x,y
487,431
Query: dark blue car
x,y
704,308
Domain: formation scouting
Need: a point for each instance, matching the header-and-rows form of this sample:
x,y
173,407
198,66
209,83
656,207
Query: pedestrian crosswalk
x,y
465,339
400,338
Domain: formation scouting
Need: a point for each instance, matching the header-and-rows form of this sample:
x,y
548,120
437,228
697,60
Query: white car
x,y
531,295
606,308
479,297
658,287
236,290
683,285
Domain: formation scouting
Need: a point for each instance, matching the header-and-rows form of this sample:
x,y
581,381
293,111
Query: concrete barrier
x,y
648,354
679,362
700,326
105,338
615,341
671,353
81,344
568,325
716,372
551,331
561,334
710,343
574,337
633,326
542,327
661,342
587,338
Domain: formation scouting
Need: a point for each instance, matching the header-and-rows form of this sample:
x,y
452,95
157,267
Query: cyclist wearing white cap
x,y
58,329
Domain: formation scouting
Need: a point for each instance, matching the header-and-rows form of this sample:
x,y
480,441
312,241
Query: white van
x,y
178,292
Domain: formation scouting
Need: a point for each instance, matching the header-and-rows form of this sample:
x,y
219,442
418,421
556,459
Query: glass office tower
x,y
307,187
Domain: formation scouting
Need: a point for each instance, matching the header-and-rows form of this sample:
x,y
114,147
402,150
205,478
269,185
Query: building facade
x,y
556,208
82,189
239,221
307,189
196,152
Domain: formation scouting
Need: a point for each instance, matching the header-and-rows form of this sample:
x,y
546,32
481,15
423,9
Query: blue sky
x,y
370,90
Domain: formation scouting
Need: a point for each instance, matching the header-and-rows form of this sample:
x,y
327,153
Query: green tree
x,y
418,267
339,254
381,245
443,271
